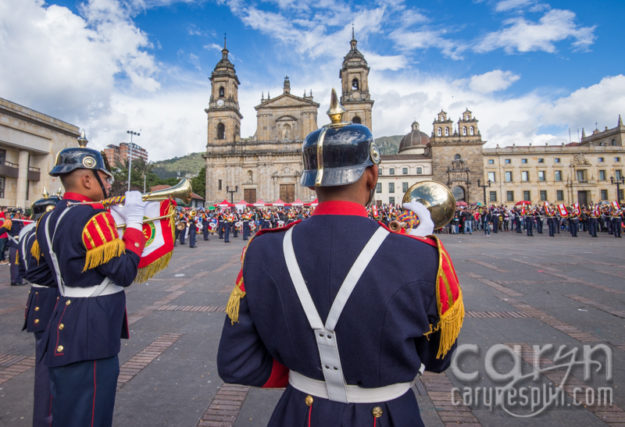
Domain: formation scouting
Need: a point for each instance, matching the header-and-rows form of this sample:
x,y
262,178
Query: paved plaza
x,y
519,291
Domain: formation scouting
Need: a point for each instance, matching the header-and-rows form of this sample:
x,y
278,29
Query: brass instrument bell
x,y
436,197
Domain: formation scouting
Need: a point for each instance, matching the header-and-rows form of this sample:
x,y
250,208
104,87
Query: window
x,y
219,185
602,175
581,175
491,161
600,159
438,132
221,92
378,187
391,171
357,120
355,84
472,130
523,160
557,176
617,159
556,160
604,194
507,161
2,181
541,175
464,130
391,187
404,171
492,196
457,157
510,196
419,171
491,176
221,131
446,131
560,195
391,200
613,142
618,174
543,195
525,176
526,195
508,176
380,170
3,156
541,160
404,187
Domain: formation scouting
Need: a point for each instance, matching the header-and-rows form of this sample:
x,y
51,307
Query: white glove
x,y
134,209
426,225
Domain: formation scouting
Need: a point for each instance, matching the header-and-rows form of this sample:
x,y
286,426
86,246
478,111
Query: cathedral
x,y
268,165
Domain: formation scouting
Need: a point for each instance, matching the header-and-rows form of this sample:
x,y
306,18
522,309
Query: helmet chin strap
x,y
371,194
97,176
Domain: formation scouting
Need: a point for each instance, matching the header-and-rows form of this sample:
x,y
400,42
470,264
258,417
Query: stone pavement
x,y
518,291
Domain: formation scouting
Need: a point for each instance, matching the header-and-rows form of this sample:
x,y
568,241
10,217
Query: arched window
x,y
464,130
250,176
221,131
457,157
446,131
439,132
356,119
614,142
472,130
221,92
355,84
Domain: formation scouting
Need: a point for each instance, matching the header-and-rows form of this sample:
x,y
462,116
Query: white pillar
x,y
22,180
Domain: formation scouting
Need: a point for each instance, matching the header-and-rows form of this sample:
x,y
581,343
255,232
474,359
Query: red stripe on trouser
x,y
94,390
309,414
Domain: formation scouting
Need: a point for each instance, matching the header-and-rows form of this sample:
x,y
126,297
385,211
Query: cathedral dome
x,y
414,139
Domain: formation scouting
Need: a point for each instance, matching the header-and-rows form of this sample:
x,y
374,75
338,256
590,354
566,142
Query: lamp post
x,y
131,133
483,187
618,182
228,190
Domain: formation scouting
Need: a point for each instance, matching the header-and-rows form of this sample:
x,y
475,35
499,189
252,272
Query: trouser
x,y
495,224
226,233
592,227
16,276
529,226
183,233
616,225
551,223
539,226
486,228
83,393
220,229
518,225
468,227
42,405
192,236
246,230
573,228
205,230
235,232
3,243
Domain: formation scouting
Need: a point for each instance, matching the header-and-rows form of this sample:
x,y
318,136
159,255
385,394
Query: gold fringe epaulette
x,y
449,302
35,250
234,301
103,254
146,273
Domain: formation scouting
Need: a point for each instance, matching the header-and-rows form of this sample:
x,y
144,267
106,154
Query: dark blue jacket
x,y
86,328
380,332
41,301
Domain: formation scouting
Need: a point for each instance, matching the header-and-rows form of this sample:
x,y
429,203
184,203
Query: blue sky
x,y
529,70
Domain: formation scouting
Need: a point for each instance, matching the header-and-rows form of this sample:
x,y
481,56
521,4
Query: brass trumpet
x,y
436,197
182,190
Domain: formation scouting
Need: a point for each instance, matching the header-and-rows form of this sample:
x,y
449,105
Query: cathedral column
x,y
22,180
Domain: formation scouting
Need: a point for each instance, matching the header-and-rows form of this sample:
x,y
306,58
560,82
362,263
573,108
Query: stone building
x,y
117,155
268,165
29,141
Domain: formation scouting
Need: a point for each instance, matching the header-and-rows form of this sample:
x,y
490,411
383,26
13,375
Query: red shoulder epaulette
x,y
101,240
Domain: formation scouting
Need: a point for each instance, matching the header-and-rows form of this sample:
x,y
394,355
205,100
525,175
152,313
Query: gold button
x,y
137,245
36,321
309,400
59,349
37,293
377,412
68,302
36,308
61,326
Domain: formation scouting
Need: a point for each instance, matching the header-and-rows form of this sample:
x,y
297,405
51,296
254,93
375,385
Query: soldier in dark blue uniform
x,y
192,229
351,361
205,222
42,298
13,228
91,265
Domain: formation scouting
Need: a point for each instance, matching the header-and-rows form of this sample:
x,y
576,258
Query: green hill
x,y
191,164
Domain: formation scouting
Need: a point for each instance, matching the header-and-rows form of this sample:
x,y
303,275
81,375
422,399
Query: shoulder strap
x,y
53,258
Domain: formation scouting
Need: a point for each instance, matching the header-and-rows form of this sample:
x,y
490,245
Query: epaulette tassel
x,y
103,254
35,250
450,324
147,272
234,302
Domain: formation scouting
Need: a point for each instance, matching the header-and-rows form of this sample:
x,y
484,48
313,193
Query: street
x,y
518,290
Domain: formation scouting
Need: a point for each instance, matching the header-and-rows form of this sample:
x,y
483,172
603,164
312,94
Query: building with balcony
x,y
29,142
118,155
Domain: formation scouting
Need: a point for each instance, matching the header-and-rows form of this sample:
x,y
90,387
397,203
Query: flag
x,y
562,209
616,205
159,236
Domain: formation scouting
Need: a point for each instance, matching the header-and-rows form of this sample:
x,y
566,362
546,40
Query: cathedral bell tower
x,y
354,77
224,117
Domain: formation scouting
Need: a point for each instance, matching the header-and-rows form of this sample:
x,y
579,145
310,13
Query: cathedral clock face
x,y
220,102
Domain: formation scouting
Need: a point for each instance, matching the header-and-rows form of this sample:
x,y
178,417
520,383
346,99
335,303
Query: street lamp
x,y
483,187
618,182
131,133
228,190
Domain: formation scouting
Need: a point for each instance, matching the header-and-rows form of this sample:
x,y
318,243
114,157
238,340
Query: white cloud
x,y
505,5
524,36
492,81
409,40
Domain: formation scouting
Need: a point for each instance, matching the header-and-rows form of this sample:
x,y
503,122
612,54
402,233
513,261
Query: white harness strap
x,y
23,243
324,334
55,261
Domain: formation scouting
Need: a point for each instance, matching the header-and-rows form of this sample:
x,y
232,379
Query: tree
x,y
198,183
140,168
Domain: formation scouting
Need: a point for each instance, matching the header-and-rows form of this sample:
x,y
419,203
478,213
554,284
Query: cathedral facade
x,y
268,165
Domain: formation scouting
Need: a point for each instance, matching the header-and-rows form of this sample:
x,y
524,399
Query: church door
x,y
249,194
287,192
458,193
